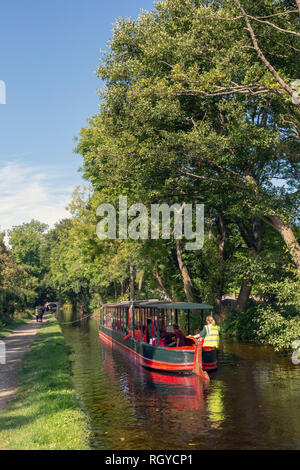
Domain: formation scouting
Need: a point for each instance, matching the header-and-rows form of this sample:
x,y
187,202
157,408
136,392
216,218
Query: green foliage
x,y
279,321
189,112
13,285
276,328
26,243
275,322
240,326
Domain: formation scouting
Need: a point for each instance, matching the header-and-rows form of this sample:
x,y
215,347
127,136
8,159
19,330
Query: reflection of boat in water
x,y
181,392
141,327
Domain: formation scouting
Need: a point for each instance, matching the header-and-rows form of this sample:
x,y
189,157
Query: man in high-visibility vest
x,y
210,333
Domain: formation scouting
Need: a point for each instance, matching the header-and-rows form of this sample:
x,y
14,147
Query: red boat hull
x,y
177,360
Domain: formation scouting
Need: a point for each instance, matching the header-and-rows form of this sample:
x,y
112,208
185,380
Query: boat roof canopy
x,y
183,306
162,305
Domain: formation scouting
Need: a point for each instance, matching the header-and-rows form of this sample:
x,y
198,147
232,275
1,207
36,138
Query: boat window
x,y
137,324
108,319
170,319
130,321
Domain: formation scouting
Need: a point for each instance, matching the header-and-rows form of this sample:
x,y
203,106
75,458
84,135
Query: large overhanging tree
x,y
192,109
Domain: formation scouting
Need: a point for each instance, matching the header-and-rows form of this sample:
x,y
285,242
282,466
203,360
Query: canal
x,y
252,401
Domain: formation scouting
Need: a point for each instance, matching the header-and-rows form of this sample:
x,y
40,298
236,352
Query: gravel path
x,y
16,345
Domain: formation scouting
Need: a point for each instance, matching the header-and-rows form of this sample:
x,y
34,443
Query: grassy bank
x,y
10,324
46,413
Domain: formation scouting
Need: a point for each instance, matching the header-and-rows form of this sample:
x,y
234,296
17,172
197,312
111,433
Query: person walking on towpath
x,y
41,311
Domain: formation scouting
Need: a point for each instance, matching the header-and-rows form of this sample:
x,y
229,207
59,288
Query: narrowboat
x,y
141,327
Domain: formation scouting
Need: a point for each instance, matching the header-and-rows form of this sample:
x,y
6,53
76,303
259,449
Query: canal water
x,y
252,401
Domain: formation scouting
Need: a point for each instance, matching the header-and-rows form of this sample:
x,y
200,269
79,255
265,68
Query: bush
x,y
265,324
240,326
277,329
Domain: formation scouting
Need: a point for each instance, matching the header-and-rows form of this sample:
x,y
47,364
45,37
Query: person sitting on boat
x,y
138,334
179,338
197,334
210,334
161,340
165,338
168,340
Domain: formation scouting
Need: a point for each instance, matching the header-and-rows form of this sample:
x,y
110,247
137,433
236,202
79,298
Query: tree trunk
x,y
131,271
83,303
160,282
244,295
73,301
187,282
220,282
252,235
279,225
288,236
141,283
219,304
221,235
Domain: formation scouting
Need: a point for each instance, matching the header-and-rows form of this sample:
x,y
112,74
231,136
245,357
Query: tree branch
x,y
221,91
275,26
206,178
260,17
264,60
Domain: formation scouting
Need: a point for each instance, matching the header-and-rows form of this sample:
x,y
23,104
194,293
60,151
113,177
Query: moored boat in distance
x,y
145,328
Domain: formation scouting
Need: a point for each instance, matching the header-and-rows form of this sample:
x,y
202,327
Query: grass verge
x,y
46,413
12,324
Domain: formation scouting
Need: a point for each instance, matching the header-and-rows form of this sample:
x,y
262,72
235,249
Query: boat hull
x,y
177,360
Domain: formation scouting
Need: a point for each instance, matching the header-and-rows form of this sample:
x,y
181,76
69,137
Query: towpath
x,y
16,345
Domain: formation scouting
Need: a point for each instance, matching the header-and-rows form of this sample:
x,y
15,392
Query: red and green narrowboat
x,y
141,328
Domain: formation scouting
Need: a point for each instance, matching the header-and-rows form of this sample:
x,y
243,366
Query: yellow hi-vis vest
x,y
212,338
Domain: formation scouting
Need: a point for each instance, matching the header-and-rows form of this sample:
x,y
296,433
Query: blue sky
x,y
49,51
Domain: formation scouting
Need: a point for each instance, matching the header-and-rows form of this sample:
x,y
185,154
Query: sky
x,y
49,51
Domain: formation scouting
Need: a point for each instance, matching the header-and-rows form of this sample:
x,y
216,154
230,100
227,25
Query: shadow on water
x,y
252,401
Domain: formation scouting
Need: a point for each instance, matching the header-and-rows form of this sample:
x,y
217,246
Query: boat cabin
x,y
150,321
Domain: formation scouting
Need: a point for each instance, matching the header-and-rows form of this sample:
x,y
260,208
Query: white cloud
x,y
33,192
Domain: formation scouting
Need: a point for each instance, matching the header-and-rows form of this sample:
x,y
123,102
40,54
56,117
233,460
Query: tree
x,y
14,290
196,108
26,243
